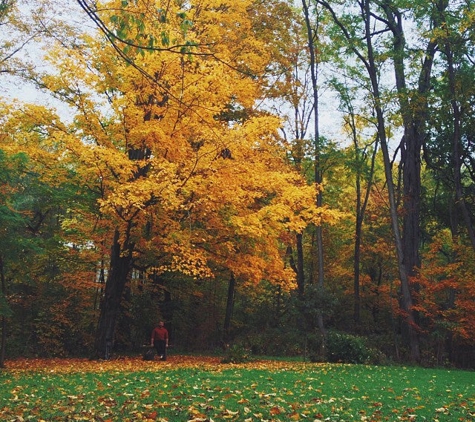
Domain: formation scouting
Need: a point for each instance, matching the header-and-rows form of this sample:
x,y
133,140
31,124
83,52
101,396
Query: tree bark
x,y
411,146
120,267
361,204
229,309
300,266
406,296
311,37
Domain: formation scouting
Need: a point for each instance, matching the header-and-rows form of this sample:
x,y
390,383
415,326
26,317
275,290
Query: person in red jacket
x,y
159,340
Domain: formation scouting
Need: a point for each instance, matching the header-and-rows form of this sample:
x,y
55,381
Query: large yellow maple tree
x,y
189,175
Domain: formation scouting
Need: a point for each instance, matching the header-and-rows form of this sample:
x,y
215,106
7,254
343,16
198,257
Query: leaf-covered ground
x,y
204,389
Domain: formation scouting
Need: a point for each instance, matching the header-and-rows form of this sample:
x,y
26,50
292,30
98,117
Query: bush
x,y
236,354
347,348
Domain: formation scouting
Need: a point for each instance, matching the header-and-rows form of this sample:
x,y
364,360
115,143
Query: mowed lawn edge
x,y
200,389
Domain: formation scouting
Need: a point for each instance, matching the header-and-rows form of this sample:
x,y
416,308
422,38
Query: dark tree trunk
x,y
406,296
411,162
356,278
229,309
314,71
411,149
300,265
413,140
121,261
361,204
120,266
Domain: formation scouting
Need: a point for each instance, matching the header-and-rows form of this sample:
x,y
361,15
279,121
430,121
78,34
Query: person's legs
x,y
160,346
157,346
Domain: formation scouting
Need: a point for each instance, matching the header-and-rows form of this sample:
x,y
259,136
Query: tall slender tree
x,y
312,27
364,42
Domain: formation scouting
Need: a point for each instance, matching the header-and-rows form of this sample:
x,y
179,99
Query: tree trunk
x,y
411,145
413,139
229,310
361,204
406,297
120,266
311,37
300,266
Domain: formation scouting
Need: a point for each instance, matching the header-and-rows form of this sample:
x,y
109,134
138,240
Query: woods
x,y
287,178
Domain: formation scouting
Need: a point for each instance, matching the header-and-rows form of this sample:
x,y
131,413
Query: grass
x,y
203,389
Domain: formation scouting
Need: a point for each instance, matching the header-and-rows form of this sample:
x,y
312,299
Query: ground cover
x,y
204,389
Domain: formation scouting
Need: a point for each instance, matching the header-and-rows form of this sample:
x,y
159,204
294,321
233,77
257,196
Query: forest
x,y
274,177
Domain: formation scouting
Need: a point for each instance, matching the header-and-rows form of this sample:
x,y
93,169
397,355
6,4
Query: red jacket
x,y
159,333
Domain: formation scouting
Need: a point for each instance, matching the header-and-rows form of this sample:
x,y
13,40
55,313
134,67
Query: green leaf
x,y
165,38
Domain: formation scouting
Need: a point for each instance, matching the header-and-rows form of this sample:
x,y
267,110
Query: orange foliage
x,y
131,364
447,293
180,159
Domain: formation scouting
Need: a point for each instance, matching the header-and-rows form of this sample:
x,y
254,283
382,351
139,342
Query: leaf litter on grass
x,y
203,389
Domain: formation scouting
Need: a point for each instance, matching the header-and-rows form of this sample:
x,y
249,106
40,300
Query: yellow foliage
x,y
175,167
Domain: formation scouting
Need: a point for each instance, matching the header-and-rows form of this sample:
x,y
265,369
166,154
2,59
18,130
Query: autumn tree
x,y
448,182
412,107
188,174
361,162
446,297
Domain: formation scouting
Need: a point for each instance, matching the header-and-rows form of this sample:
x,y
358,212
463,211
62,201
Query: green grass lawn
x,y
206,390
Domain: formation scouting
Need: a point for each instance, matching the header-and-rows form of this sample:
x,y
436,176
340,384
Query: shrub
x,y
346,348
236,354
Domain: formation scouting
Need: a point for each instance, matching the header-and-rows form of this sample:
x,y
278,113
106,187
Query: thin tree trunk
x,y
300,265
406,297
311,37
361,204
229,309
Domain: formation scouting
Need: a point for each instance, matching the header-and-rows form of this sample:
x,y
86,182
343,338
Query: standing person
x,y
159,340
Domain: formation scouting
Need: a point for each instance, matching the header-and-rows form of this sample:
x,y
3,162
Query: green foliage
x,y
346,348
317,301
5,7
236,353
